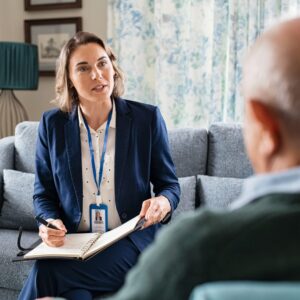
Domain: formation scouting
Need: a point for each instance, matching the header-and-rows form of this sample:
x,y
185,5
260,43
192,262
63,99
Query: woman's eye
x,y
82,69
102,63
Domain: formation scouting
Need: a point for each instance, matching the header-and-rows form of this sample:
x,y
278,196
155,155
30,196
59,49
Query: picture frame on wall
x,y
32,5
50,35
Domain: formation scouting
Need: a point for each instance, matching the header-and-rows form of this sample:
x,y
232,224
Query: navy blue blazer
x,y
142,156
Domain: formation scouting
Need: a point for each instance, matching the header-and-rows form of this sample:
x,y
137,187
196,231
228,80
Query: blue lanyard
x,y
98,182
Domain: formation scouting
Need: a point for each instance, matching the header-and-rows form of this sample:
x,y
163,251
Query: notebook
x,y
82,246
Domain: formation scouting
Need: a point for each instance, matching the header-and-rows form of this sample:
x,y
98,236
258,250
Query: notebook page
x,y
72,247
112,236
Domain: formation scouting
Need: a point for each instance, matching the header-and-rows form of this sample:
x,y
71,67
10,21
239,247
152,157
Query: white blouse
x,y
107,188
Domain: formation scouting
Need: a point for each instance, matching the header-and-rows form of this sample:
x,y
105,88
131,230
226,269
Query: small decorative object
x,y
33,5
18,71
50,35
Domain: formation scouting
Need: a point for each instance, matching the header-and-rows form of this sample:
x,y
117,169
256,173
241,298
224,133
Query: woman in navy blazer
x,y
89,79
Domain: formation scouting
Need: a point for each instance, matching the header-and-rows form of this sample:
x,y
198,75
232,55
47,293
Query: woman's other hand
x,y
53,237
155,210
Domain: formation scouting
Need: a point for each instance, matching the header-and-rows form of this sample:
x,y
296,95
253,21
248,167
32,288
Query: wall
x,y
12,16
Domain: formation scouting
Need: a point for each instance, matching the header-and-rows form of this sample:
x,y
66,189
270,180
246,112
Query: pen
x,y
140,223
44,222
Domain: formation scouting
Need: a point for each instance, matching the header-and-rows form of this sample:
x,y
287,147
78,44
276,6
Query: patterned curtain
x,y
185,55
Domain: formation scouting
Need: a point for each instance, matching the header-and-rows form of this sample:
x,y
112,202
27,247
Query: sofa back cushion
x,y
226,152
17,207
25,144
189,151
7,153
218,192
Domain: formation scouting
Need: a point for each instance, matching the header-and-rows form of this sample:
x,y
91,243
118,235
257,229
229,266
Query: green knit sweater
x,y
260,241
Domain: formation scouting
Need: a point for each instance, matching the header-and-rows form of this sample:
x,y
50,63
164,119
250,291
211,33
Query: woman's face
x,y
91,73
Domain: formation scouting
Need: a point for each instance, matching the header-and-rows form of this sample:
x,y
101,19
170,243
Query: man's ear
x,y
266,119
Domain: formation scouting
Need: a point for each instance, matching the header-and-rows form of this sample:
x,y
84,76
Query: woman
x,y
97,151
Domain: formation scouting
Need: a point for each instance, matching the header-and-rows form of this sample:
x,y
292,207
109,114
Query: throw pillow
x,y
187,197
218,192
25,144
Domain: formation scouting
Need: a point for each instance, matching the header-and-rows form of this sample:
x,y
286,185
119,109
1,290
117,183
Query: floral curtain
x,y
185,55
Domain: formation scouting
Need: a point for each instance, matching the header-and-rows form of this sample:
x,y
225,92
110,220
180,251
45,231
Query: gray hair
x,y
272,72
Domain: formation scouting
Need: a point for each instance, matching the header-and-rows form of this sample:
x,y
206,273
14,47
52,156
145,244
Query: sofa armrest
x,y
7,153
247,290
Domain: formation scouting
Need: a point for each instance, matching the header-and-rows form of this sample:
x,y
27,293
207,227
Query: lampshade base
x,y
12,112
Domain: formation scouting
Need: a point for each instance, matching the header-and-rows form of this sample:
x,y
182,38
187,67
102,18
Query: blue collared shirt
x,y
257,186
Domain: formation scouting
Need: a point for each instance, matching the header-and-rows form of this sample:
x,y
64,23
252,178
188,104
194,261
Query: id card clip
x,y
98,199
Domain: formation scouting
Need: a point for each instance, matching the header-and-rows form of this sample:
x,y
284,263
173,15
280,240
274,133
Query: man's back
x,y
259,241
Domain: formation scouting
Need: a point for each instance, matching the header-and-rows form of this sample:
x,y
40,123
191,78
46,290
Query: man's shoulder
x,y
207,224
198,227
278,198
275,202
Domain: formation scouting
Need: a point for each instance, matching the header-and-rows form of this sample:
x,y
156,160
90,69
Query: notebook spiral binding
x,y
89,244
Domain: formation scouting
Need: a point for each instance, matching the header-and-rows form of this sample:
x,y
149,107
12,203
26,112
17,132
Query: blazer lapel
x,y
73,146
123,131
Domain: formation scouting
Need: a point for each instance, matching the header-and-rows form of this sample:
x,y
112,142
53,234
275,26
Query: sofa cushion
x,y
189,150
188,195
13,275
25,144
18,191
226,152
9,294
218,192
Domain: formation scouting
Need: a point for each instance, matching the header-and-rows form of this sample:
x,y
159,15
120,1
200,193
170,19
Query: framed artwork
x,y
32,5
50,35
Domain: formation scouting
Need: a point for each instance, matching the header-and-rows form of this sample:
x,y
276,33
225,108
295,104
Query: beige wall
x,y
12,16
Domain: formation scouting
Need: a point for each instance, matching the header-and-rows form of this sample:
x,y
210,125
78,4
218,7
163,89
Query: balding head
x,y
272,69
271,88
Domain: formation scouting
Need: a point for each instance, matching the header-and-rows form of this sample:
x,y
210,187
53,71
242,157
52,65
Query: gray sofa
x,y
211,165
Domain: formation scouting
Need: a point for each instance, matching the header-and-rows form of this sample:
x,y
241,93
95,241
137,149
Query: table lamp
x,y
18,71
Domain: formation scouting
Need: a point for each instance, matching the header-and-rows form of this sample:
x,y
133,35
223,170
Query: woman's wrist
x,y
167,208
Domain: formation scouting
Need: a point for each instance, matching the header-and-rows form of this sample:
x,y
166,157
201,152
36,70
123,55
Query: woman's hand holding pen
x,y
53,237
154,210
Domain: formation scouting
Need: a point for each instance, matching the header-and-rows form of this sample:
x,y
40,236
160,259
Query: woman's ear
x,y
70,83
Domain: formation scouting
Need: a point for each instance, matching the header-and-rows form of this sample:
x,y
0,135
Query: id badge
x,y
98,218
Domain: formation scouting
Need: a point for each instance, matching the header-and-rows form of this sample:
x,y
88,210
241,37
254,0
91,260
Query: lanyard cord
x,y
98,182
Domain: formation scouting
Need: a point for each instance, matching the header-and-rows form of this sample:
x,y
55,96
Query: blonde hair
x,y
66,94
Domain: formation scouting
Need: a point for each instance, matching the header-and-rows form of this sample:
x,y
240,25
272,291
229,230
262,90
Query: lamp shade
x,y
18,66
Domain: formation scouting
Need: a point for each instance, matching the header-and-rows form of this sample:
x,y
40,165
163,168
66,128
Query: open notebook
x,y
83,245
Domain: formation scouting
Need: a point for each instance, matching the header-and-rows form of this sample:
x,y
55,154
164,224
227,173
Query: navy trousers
x,y
74,279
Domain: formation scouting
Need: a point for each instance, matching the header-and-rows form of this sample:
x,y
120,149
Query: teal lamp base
x,y
12,112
